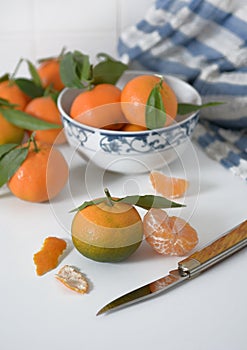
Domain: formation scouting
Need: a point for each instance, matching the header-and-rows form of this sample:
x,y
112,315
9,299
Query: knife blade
x,y
190,267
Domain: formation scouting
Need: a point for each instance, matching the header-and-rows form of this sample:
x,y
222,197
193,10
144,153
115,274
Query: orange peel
x,y
48,257
73,279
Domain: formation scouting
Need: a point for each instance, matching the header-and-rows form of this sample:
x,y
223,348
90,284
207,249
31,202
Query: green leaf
x,y
68,72
88,203
83,66
146,202
34,74
4,77
26,121
108,71
185,108
6,103
4,149
11,162
29,87
49,58
155,110
149,201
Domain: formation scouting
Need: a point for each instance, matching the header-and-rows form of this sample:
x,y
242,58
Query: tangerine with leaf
x,y
11,96
41,173
110,229
99,107
45,108
49,72
148,101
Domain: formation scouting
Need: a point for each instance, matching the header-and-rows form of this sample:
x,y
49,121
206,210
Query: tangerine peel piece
x,y
48,257
73,279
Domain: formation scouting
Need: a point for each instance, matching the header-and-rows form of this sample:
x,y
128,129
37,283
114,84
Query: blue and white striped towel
x,y
205,43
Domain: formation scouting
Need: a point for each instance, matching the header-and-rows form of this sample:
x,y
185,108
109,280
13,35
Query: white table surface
x,y
209,312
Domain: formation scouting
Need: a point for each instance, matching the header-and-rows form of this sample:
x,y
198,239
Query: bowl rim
x,y
130,133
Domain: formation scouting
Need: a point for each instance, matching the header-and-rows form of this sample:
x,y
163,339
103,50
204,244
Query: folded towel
x,y
205,44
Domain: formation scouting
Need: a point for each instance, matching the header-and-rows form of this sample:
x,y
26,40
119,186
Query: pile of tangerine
x,y
123,109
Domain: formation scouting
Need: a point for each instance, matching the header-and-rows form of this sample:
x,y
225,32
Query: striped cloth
x,y
204,43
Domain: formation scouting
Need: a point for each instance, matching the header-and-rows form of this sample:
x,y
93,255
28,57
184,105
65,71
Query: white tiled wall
x,y
39,28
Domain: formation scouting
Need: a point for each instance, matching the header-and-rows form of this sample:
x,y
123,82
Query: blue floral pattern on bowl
x,y
148,142
134,143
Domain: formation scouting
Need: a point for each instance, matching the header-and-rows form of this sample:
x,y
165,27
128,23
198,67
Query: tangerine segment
x,y
99,107
47,258
135,95
168,235
73,279
46,109
49,72
171,187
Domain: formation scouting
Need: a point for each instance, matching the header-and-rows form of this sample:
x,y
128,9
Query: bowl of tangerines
x,y
125,121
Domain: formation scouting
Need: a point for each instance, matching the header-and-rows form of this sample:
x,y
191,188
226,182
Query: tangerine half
x,y
168,235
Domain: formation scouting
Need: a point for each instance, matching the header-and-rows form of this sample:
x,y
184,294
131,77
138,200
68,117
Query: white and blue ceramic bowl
x,y
131,152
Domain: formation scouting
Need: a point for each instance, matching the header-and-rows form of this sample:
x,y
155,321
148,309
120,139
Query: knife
x,y
191,267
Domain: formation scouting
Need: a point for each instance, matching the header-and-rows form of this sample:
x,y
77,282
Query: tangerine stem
x,y
32,139
108,197
16,69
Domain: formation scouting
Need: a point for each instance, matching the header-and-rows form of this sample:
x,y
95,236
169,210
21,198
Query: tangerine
x,y
107,233
9,132
46,109
171,187
41,176
168,235
133,127
49,73
13,94
99,107
135,95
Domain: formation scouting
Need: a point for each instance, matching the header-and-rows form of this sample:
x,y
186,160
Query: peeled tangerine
x,y
168,235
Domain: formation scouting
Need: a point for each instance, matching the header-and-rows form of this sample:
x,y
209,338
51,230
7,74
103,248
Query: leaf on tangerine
x,y
88,203
149,201
11,162
4,149
26,121
29,87
155,113
185,108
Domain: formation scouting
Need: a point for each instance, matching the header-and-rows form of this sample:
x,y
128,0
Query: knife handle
x,y
218,250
